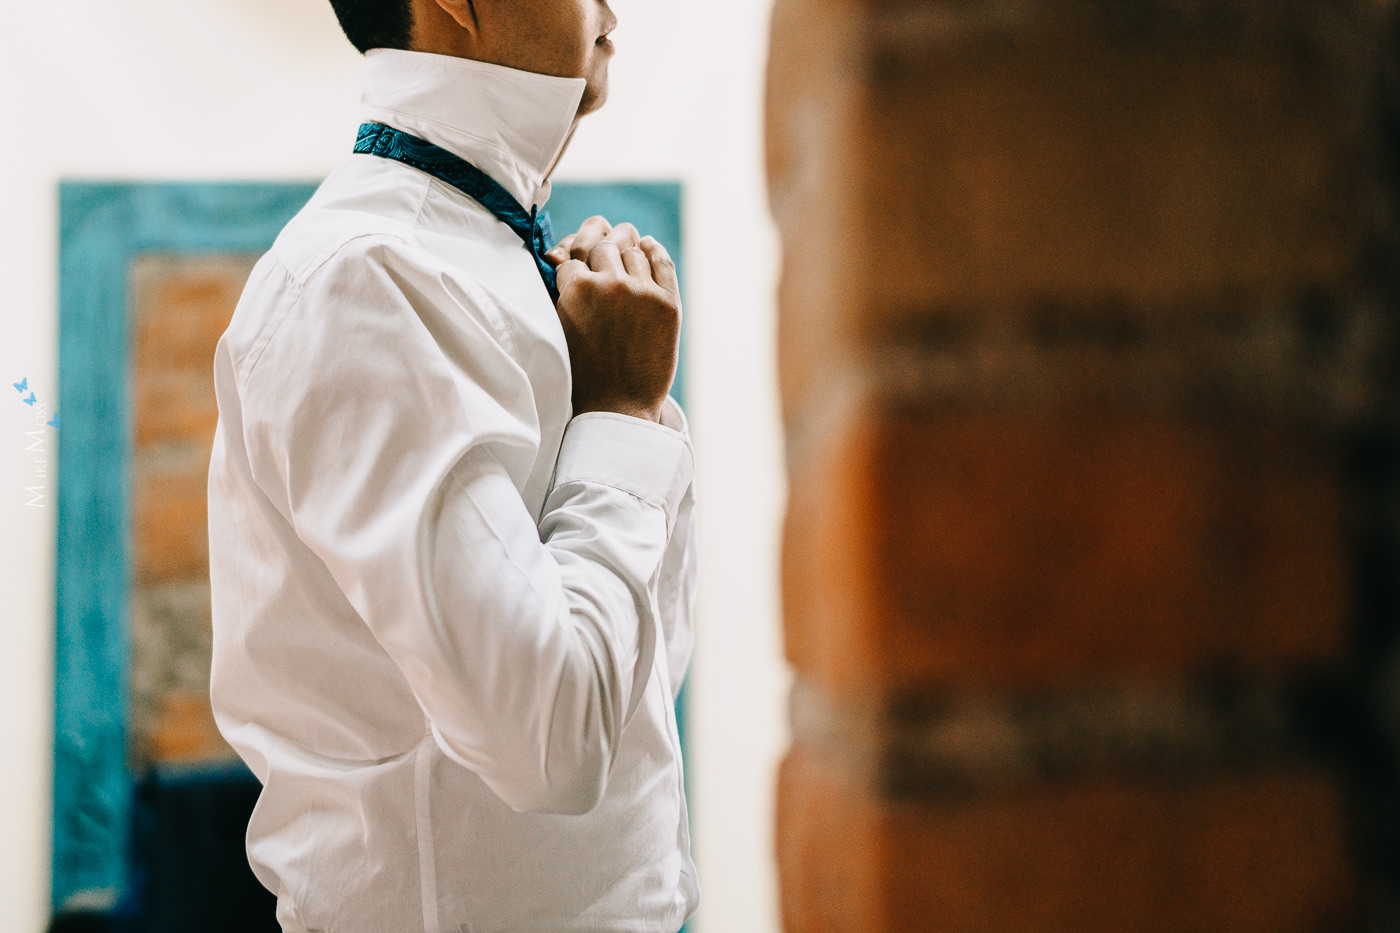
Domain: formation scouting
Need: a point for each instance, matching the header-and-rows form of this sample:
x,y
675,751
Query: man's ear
x,y
446,27
463,11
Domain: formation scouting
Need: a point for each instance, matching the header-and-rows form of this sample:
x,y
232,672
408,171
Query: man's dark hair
x,y
375,24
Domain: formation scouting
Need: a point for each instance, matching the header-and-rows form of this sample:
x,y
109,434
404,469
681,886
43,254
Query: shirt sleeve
x,y
677,585
386,417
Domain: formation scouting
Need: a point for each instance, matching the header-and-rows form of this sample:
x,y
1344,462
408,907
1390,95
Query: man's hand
x,y
620,305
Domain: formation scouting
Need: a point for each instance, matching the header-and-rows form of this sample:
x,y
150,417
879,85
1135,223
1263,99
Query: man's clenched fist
x,y
620,305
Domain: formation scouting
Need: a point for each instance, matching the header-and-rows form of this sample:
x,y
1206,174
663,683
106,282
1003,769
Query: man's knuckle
x,y
594,285
599,287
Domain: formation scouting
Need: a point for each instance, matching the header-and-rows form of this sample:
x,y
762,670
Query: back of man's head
x,y
376,24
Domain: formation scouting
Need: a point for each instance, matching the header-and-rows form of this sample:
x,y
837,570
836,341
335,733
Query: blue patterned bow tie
x,y
532,227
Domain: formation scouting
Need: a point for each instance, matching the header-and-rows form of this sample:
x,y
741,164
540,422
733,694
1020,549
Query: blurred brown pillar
x,y
1088,336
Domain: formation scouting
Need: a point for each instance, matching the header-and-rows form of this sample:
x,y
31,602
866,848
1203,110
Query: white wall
x,y
159,89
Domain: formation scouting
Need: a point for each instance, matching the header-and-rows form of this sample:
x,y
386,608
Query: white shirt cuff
x,y
653,462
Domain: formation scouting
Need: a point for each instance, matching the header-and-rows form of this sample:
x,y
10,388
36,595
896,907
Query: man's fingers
x,y
605,258
663,267
560,251
637,264
567,271
590,233
614,251
625,236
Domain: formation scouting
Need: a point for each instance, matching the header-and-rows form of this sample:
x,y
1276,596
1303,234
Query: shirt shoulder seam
x,y
298,286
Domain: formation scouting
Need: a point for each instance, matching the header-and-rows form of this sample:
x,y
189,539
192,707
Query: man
x,y
450,517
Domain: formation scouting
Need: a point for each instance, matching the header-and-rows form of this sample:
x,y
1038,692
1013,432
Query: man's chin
x,y
594,97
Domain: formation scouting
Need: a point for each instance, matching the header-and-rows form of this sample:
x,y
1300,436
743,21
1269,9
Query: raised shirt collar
x,y
510,124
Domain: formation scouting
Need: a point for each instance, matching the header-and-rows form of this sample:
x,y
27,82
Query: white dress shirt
x,y
449,619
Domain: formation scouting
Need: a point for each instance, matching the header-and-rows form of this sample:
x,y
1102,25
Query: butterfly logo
x,y
22,386
54,422
31,400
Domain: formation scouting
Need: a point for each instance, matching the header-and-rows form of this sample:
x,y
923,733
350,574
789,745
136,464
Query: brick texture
x,y
1087,342
1264,852
180,307
953,154
930,549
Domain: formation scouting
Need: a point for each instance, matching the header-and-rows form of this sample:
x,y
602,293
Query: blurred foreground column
x,y
1088,335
